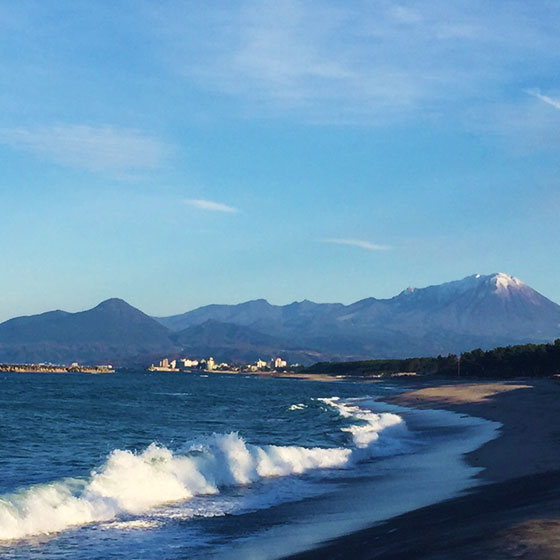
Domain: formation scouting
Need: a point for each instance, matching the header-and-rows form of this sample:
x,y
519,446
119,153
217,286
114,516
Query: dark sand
x,y
515,515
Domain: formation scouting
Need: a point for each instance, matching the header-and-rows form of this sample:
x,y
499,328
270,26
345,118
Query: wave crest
x,y
133,483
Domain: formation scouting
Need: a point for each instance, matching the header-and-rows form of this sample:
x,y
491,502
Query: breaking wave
x,y
371,427
133,483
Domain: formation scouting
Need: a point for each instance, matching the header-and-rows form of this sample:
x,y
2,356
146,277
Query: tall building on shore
x,y
279,363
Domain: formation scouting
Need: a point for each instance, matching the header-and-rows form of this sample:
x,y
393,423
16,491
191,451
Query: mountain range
x,y
477,311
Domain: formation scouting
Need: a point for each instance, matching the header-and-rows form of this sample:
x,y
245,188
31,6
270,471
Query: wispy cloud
x,y
210,205
545,98
357,243
360,62
102,148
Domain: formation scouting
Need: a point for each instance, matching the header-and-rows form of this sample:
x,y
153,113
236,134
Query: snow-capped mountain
x,y
477,311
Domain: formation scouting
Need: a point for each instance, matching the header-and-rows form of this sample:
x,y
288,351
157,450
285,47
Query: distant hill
x,y
226,342
114,331
475,312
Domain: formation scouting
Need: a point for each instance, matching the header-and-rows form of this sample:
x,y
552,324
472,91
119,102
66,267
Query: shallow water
x,y
157,465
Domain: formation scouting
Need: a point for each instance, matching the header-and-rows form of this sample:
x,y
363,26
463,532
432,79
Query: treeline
x,y
528,360
424,366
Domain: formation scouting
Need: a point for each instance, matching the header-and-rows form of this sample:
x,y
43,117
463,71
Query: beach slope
x,y
516,514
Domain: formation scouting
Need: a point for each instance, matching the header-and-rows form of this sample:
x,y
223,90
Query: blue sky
x,y
177,154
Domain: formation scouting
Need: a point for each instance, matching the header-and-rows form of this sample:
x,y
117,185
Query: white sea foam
x,y
299,406
133,483
386,429
135,524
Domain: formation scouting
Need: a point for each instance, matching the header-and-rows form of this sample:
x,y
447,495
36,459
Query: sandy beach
x,y
514,514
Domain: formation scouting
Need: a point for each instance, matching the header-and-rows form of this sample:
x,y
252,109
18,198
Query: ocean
x,y
172,466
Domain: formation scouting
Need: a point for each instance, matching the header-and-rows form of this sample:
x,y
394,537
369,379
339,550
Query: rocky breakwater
x,y
49,368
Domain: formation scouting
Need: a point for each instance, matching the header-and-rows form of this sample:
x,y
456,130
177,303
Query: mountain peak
x,y
505,282
113,304
498,283
500,280
113,301
258,301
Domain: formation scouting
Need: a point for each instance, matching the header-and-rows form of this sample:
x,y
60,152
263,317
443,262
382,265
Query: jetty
x,y
50,368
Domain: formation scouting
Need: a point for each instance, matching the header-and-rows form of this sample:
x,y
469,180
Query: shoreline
x,y
515,513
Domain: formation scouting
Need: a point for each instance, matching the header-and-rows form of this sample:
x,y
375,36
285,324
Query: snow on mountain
x,y
505,283
479,310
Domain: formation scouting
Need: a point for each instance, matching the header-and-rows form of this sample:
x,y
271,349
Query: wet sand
x,y
516,514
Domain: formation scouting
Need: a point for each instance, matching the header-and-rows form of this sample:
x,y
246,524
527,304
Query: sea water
x,y
172,465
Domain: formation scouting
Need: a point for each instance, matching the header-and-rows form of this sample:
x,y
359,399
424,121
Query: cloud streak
x,y
367,245
102,148
545,98
210,206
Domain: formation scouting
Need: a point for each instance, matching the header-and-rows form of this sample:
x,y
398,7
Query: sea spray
x,y
132,483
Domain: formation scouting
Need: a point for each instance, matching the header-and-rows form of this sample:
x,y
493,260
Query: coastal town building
x,y
209,364
164,365
188,363
279,363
